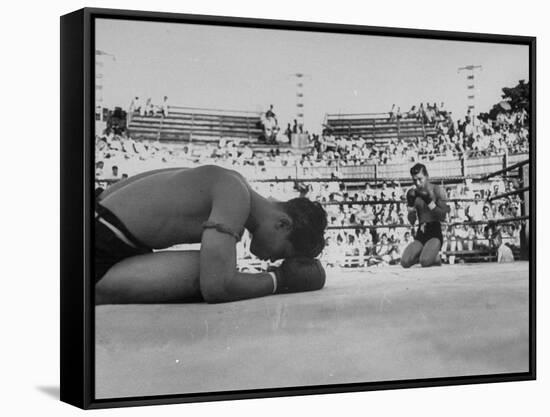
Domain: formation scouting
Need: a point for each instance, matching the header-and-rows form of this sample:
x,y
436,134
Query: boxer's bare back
x,y
167,207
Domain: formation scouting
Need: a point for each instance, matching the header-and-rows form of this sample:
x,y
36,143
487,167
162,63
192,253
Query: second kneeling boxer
x,y
426,202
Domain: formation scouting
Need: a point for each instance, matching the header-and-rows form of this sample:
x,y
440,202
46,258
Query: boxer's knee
x,y
430,253
406,261
410,255
427,260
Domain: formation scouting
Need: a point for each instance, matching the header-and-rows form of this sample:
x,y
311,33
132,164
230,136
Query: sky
x,y
249,69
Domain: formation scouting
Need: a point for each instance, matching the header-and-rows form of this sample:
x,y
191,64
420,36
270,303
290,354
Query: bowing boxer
x,y
212,206
426,203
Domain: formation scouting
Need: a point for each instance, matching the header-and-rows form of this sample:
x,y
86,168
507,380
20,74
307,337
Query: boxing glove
x,y
299,274
427,197
411,197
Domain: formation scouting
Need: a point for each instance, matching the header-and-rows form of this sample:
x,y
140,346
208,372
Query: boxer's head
x,y
419,175
293,228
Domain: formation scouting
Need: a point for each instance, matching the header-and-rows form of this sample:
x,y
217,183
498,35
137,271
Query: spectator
x,y
450,243
164,107
99,169
141,107
149,109
404,242
288,132
487,213
382,251
270,113
135,106
504,253
330,253
482,241
391,113
295,126
475,210
114,173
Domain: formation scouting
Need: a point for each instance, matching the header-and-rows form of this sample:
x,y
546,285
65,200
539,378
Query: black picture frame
x,y
77,197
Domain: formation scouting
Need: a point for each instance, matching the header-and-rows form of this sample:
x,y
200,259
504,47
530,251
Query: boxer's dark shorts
x,y
109,248
427,231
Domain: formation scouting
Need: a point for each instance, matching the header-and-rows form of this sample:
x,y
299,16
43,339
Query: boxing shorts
x,y
113,242
427,231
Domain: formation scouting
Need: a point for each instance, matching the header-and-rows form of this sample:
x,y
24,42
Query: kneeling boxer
x,y
208,205
427,203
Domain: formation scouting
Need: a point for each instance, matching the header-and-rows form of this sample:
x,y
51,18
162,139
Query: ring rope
x,y
402,180
375,202
505,170
398,225
504,195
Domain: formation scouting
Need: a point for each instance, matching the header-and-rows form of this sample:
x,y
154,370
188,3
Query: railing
x,y
188,123
484,165
366,125
455,168
202,110
356,115
515,158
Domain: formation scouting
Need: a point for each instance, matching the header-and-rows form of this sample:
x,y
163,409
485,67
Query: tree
x,y
517,98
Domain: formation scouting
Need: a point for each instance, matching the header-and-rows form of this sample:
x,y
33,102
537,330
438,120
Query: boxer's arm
x,y
411,216
219,280
441,207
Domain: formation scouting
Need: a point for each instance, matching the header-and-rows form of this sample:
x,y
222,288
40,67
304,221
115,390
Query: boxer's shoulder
x,y
438,190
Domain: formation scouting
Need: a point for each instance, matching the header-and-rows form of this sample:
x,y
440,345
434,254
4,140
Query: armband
x,y
222,229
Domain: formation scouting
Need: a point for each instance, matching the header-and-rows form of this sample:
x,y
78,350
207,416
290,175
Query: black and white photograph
x,y
286,208
255,208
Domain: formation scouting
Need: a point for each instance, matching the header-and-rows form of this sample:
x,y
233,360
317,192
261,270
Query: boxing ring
x,y
366,325
378,324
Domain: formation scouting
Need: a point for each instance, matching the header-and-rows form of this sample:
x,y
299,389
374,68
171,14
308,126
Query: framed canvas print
x,y
257,208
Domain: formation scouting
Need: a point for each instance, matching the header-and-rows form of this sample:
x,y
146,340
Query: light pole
x,y
299,77
100,123
99,75
470,88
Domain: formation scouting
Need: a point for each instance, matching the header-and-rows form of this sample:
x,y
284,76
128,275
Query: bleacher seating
x,y
192,124
377,127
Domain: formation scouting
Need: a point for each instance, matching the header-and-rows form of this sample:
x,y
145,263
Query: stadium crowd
x,y
376,245
508,133
380,231
148,107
